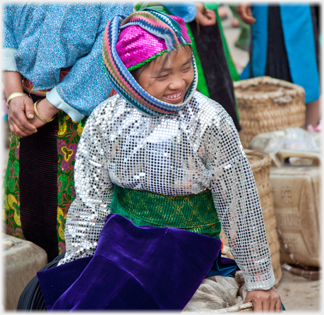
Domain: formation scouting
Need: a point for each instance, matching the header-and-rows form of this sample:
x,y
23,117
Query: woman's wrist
x,y
46,109
12,82
14,95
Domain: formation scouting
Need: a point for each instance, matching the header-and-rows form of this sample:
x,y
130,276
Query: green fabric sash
x,y
195,213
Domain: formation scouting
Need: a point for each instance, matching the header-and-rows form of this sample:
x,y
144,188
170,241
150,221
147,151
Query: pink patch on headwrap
x,y
136,45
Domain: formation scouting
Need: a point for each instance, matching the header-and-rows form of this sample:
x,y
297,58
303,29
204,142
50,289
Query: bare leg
x,y
313,112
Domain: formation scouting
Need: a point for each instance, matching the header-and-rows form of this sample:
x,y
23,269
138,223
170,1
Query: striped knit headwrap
x,y
163,27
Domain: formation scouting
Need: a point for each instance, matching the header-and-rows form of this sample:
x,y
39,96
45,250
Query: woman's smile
x,y
174,98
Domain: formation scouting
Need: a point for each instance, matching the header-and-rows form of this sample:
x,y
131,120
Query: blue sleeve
x,y
8,34
186,10
86,86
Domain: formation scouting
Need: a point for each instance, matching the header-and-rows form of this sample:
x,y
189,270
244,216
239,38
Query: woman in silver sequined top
x,y
172,142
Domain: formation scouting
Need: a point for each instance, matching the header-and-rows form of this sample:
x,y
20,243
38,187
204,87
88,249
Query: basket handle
x,y
284,154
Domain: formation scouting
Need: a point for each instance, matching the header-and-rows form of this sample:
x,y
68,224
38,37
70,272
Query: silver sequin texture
x,y
185,153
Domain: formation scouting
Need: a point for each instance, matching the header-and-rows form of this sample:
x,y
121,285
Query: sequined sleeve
x,y
237,202
88,212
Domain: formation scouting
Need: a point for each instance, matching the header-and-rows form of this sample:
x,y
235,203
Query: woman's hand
x,y
20,110
268,300
204,17
46,110
20,107
245,13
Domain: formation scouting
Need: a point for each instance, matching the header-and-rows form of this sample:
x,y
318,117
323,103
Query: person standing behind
x,y
285,45
53,79
243,38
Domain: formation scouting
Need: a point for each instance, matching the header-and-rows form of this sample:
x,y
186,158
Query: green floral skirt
x,y
68,136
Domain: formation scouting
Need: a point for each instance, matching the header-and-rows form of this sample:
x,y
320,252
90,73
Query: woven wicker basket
x,y
260,163
267,104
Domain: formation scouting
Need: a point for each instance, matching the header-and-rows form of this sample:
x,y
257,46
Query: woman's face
x,y
168,78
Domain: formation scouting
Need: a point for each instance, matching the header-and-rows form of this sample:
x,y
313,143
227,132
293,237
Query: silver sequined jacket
x,y
196,149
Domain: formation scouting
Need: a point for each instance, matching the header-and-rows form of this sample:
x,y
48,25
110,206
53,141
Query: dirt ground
x,y
299,294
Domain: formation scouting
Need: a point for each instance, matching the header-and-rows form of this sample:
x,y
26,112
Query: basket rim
x,y
264,161
266,95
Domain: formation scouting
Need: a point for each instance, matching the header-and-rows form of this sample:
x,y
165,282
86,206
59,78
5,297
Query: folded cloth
x,y
222,293
218,292
133,268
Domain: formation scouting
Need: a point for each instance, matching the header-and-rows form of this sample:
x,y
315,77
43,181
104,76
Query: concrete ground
x,y
299,295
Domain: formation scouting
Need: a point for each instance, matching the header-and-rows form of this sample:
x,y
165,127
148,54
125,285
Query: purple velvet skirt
x,y
135,268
